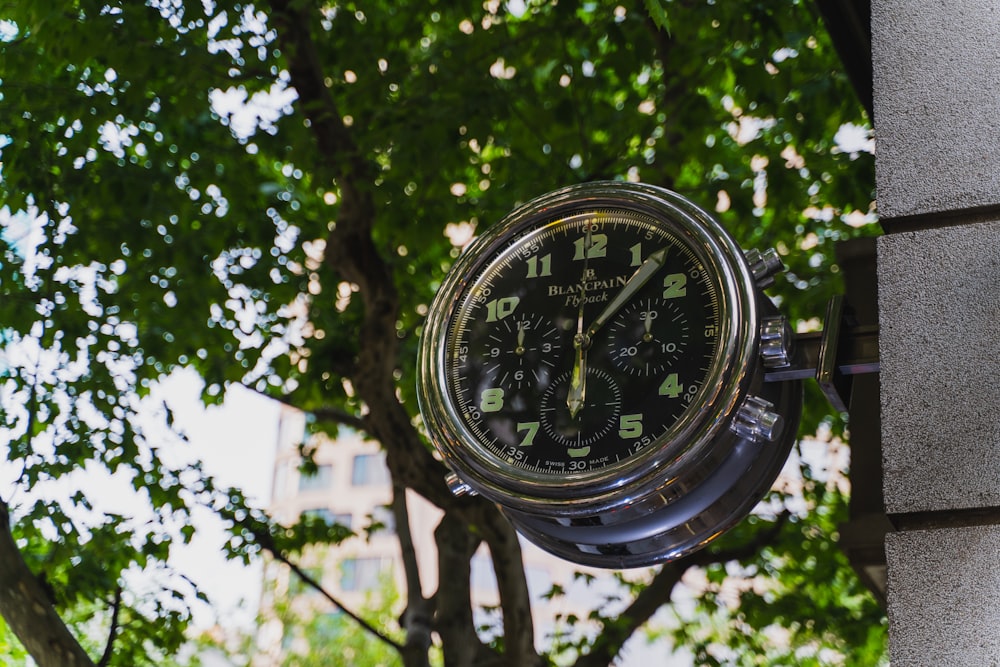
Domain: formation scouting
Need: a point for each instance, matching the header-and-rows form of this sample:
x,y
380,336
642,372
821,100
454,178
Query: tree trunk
x,y
27,607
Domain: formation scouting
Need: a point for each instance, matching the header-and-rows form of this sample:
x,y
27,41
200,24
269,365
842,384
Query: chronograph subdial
x,y
647,336
519,352
591,424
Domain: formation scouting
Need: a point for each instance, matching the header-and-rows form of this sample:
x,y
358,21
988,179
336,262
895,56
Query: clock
x,y
594,364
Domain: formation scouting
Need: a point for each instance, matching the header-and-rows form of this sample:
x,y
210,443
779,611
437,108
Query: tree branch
x,y
26,607
515,602
614,635
351,253
453,621
675,96
418,615
113,632
25,602
318,587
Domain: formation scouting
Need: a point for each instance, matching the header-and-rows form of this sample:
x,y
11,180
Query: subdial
x,y
595,420
647,336
521,351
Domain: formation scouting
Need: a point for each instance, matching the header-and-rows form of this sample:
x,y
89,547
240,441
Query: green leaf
x,y
658,13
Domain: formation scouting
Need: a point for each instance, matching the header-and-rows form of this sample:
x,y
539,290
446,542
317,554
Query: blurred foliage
x,y
10,648
796,600
314,633
164,204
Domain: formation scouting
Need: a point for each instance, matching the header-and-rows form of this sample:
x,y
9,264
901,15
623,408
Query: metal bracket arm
x,y
832,356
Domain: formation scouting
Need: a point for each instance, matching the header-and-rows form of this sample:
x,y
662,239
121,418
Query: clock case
x,y
696,481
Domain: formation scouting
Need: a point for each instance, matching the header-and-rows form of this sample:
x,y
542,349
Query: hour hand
x,y
576,396
641,276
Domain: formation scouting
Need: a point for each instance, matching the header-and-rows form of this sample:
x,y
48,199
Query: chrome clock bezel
x,y
678,461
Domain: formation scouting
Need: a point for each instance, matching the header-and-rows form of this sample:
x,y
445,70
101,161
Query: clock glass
x,y
576,342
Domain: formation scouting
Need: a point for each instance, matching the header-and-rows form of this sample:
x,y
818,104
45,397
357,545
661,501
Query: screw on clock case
x,y
702,476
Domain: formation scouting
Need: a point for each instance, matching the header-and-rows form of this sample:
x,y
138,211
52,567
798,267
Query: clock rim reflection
x,y
687,443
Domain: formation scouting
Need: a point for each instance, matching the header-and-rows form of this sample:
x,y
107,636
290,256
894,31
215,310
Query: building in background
x,y
352,486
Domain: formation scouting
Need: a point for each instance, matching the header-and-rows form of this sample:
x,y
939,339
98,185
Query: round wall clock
x,y
594,364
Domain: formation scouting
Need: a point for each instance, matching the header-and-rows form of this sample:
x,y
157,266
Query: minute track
x,y
504,385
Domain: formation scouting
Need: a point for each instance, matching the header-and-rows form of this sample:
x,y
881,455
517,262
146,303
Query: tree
x,y
262,192
317,636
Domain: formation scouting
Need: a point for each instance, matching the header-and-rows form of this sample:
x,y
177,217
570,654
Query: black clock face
x,y
576,343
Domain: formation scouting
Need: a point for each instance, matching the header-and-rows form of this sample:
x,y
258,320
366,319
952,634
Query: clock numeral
x,y
674,285
670,387
636,254
628,352
540,266
531,429
497,309
598,247
711,331
630,426
514,454
491,400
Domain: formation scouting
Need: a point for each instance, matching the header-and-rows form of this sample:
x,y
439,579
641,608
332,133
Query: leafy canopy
x,y
271,193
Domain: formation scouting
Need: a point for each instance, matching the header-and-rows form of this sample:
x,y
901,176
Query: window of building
x,y
363,574
317,481
370,469
330,517
321,513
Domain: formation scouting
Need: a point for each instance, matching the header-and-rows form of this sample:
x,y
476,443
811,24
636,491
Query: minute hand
x,y
641,276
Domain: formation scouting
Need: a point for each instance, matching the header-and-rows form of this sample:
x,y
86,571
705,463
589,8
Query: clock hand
x,y
641,276
577,393
581,341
